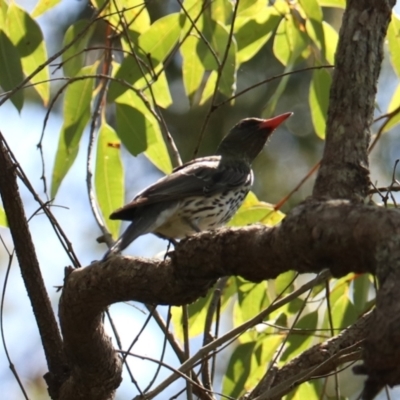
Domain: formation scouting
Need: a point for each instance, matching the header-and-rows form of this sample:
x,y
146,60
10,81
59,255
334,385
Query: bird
x,y
201,194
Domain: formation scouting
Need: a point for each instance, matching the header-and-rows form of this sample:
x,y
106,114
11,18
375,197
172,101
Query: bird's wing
x,y
200,177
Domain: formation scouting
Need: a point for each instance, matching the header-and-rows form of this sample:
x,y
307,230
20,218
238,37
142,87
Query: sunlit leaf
x,y
253,210
159,88
251,8
264,352
198,311
343,313
284,283
394,105
209,88
333,3
109,176
140,132
218,36
326,40
76,112
289,41
281,45
128,72
253,35
3,218
192,67
197,315
3,13
10,70
221,10
240,367
302,335
133,12
362,287
306,390
252,298
393,36
43,6
73,58
27,37
319,100
312,9
158,41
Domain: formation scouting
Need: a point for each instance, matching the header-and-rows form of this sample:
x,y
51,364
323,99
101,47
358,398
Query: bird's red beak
x,y
273,123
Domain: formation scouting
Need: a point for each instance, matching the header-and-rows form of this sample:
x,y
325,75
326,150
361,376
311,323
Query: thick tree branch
x,y
31,274
344,172
338,235
320,359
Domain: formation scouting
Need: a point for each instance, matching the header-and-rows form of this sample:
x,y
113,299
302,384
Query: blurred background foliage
x,y
142,71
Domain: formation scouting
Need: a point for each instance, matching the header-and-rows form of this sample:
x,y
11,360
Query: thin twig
x,y
3,339
207,336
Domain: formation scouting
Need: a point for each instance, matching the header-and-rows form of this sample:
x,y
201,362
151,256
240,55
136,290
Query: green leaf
x,y
240,367
43,6
299,342
221,10
197,316
284,283
132,12
140,132
289,41
3,12
319,100
251,8
27,37
362,286
306,390
209,88
393,105
333,3
253,34
192,67
162,36
73,58
312,9
160,88
109,176
3,218
343,313
325,38
252,298
77,101
128,72
253,210
393,36
342,309
198,311
10,70
218,36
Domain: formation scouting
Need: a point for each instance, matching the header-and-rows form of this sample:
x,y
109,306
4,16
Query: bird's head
x,y
247,138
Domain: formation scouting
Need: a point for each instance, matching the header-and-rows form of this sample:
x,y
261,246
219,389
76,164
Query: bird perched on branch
x,y
202,194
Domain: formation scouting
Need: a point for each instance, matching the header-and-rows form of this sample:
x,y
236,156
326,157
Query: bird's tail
x,y
151,217
131,233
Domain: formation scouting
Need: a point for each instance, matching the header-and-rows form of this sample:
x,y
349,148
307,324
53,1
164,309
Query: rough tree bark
x,y
333,230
